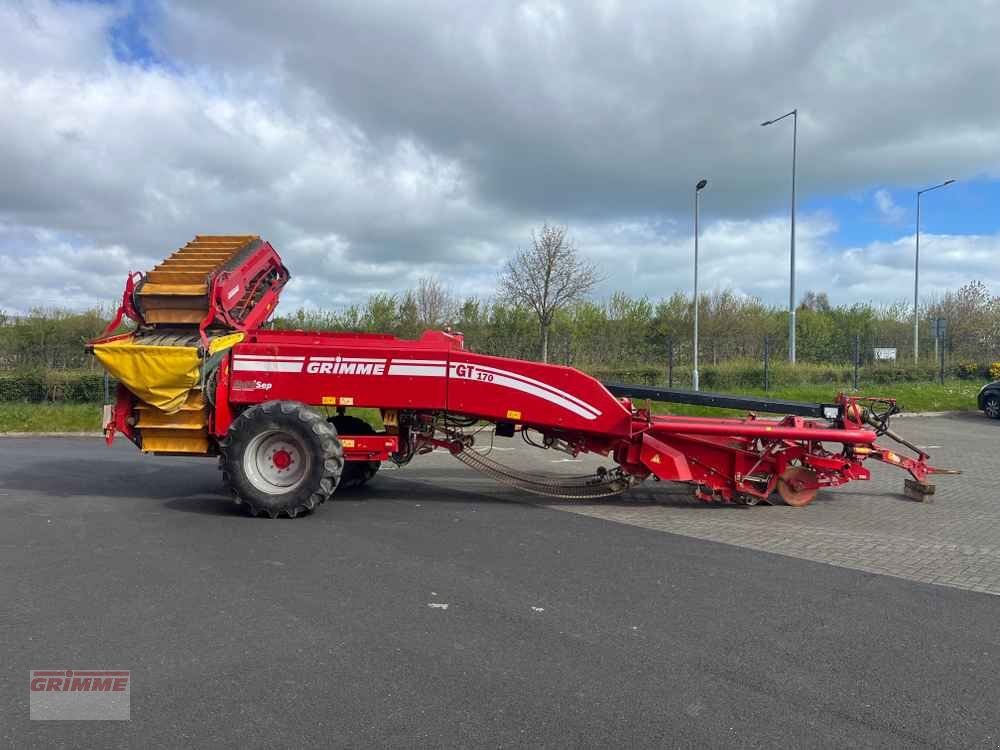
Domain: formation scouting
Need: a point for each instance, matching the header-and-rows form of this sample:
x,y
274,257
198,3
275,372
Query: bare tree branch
x,y
434,304
547,277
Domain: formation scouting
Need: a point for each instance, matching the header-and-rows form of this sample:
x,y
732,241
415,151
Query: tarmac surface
x,y
433,609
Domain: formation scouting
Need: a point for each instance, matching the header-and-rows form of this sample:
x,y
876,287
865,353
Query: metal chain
x,y
586,487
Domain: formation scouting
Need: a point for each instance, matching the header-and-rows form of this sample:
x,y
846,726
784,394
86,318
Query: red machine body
x,y
433,393
725,458
431,374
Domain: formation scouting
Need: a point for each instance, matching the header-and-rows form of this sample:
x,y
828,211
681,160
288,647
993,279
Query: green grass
x,y
954,395
59,417
63,417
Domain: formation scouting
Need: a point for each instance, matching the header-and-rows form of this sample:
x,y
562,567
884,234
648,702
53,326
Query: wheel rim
x,y
276,462
797,486
992,407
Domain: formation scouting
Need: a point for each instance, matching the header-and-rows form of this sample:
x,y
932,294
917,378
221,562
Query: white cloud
x,y
889,212
751,257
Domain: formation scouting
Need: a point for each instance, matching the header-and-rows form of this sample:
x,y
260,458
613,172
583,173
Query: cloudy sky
x,y
376,142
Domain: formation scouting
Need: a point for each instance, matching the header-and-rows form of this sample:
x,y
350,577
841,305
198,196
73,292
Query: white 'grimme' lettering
x,y
346,368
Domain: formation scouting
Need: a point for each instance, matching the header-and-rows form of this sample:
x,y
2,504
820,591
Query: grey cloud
x,y
377,142
568,108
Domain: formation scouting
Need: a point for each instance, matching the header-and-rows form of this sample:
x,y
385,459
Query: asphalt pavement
x,y
429,611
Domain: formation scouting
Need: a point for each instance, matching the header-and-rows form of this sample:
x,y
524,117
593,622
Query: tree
x,y
409,316
434,304
380,313
546,277
816,301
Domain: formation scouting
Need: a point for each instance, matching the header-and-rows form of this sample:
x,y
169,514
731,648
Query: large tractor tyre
x,y
281,457
356,473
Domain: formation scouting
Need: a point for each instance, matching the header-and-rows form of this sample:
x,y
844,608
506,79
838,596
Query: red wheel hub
x,y
282,459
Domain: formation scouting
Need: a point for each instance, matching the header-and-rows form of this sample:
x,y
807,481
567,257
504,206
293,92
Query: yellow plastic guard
x,y
161,376
225,342
158,375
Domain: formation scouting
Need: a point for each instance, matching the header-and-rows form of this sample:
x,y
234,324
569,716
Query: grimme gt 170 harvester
x,y
198,376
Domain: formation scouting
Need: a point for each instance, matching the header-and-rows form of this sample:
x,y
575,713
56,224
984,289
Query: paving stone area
x,y
954,541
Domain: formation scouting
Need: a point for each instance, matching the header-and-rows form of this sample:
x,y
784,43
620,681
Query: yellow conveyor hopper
x,y
176,291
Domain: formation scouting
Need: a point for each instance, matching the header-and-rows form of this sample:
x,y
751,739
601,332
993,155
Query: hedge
x,y
741,374
53,385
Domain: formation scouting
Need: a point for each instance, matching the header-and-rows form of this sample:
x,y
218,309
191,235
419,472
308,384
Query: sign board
x,y
939,326
885,354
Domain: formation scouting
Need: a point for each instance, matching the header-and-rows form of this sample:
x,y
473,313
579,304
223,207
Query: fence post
x,y
670,363
107,388
767,356
941,364
857,359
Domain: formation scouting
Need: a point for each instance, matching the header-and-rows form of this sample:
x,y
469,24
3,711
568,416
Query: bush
x,y
638,374
23,386
995,371
738,375
38,386
969,370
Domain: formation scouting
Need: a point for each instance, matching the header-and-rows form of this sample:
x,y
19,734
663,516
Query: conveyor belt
x,y
176,291
724,401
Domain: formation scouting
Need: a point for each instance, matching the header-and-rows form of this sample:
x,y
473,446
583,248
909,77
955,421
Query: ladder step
x,y
176,277
175,441
192,316
191,419
187,266
174,290
207,255
244,238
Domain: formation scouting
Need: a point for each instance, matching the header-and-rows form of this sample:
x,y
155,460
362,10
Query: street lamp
x,y
916,275
697,196
794,114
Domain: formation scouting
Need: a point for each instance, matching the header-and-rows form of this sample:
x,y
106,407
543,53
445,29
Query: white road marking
x,y
437,605
538,609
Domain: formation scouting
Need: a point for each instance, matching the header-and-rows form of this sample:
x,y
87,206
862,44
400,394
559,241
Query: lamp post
x,y
916,276
697,199
794,114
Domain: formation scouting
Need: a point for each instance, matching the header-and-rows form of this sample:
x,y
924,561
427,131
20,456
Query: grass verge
x,y
25,417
